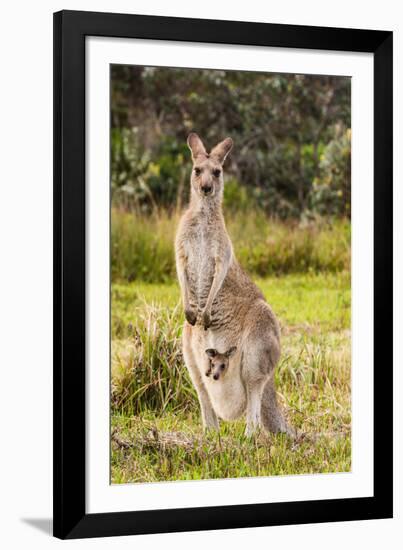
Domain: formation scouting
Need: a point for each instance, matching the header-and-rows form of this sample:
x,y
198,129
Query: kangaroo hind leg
x,y
271,414
209,416
254,379
253,407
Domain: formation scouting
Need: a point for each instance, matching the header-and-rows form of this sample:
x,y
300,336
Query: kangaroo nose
x,y
216,376
206,189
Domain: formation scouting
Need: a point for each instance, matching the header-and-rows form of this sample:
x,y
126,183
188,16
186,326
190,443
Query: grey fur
x,y
223,307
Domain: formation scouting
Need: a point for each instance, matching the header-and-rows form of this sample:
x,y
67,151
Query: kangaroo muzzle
x,y
207,189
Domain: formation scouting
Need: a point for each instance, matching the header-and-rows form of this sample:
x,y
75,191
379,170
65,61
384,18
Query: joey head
x,y
218,362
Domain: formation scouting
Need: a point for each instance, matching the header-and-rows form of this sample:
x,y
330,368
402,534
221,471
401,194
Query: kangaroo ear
x,y
211,352
195,144
231,351
221,150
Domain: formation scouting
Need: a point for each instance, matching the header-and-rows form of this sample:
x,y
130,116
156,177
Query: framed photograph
x,y
222,274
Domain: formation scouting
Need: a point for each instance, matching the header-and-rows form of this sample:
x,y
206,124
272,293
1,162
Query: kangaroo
x,y
223,307
219,362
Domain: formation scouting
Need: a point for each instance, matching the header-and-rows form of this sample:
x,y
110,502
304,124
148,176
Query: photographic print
x,y
230,274
222,274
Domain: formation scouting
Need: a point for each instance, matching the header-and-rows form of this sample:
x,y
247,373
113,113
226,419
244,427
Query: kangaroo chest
x,y
200,250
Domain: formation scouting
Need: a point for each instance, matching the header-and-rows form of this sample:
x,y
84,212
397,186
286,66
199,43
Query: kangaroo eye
x,y
216,173
197,171
222,367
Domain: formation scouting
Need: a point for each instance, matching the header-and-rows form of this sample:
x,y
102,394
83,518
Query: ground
x,y
156,432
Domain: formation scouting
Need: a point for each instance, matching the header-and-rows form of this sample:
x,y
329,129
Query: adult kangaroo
x,y
223,307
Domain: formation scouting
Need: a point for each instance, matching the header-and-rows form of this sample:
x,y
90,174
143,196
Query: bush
x,y
143,179
237,197
280,125
129,163
331,192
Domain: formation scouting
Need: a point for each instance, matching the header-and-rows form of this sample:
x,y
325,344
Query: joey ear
x,y
211,352
231,351
221,150
195,144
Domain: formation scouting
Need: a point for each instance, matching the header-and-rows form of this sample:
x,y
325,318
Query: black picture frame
x,y
70,517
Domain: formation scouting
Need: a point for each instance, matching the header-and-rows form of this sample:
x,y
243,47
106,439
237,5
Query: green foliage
x,y
237,198
281,124
141,183
331,193
166,176
157,434
142,246
129,164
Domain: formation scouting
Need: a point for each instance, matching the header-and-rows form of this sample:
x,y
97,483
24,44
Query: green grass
x,y
156,425
141,453
142,246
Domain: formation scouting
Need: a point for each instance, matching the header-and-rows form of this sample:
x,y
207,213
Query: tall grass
x,y
142,247
147,368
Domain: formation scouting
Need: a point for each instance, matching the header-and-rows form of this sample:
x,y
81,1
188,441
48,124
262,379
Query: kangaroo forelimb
x,y
220,272
190,310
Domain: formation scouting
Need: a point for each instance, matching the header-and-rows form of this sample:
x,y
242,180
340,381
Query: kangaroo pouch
x,y
227,396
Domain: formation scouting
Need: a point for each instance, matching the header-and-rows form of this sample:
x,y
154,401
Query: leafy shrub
x,y
144,180
280,124
237,197
331,191
129,163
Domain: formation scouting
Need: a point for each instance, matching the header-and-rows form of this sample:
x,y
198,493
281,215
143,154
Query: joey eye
x,y
216,173
222,366
197,171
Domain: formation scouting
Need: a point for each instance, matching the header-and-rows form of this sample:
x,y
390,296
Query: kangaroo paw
x,y
191,316
206,319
